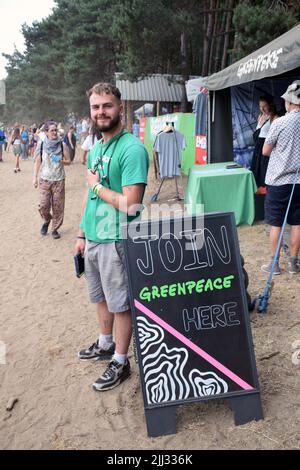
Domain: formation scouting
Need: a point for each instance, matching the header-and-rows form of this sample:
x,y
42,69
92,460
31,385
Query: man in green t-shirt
x,y
116,177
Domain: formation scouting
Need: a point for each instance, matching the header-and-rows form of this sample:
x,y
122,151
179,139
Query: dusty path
x,y
45,318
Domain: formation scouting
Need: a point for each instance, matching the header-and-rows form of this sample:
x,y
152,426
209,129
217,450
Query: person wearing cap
x,y
282,145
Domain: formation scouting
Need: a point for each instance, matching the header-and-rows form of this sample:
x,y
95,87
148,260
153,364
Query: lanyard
x,y
98,165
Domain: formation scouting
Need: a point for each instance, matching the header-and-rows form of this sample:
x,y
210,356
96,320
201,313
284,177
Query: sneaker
x,y
115,374
55,234
95,352
266,268
44,228
293,267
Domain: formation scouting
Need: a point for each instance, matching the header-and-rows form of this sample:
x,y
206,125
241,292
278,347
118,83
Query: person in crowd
x,y
41,134
116,177
260,162
136,128
89,142
50,158
78,127
31,142
60,131
15,142
85,128
2,142
7,132
282,146
70,141
24,143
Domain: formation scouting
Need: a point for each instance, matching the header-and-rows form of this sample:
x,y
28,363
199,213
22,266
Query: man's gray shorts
x,y
104,265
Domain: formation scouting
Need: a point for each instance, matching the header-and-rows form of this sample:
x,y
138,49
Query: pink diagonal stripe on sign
x,y
192,346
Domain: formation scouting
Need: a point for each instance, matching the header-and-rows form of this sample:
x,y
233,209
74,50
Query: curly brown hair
x,y
104,88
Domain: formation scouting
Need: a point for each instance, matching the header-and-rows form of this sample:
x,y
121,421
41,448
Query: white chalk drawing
x,y
170,259
206,384
147,267
164,369
149,334
163,373
168,252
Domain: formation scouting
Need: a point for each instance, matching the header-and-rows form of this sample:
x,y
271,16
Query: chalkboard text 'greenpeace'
x,y
186,288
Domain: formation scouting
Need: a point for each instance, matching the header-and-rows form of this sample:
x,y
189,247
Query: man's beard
x,y
111,124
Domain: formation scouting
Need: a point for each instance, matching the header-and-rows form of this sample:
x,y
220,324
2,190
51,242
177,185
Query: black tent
x,y
270,69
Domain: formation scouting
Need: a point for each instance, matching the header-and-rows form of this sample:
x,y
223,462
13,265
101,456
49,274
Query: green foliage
x,y
260,22
86,41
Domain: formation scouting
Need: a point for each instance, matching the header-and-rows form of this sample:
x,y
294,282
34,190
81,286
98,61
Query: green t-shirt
x,y
122,161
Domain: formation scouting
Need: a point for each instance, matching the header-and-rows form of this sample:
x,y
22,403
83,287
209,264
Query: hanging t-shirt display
x,y
169,146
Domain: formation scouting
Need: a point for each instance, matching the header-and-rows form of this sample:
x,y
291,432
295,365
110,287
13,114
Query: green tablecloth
x,y
222,190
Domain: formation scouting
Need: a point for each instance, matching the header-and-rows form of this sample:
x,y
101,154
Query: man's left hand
x,y
91,178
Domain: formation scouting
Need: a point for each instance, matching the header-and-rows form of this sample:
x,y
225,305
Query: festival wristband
x,y
96,188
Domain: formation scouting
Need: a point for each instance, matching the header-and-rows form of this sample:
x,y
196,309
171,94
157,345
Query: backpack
x,y
2,137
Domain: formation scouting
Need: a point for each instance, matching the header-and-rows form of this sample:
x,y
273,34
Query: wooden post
x,y
129,116
157,108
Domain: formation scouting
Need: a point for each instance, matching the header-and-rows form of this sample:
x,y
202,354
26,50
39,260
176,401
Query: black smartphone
x,y
233,165
79,264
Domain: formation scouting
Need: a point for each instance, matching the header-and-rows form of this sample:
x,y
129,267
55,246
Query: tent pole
x,y
208,127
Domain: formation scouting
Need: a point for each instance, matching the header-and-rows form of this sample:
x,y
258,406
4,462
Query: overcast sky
x,y
13,13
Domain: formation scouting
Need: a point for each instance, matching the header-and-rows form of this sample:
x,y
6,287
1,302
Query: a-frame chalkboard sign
x,y
190,317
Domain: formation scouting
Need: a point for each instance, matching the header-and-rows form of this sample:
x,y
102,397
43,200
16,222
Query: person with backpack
x,y
24,143
50,158
70,141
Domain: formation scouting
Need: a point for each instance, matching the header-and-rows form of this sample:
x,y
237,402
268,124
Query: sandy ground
x,y
46,318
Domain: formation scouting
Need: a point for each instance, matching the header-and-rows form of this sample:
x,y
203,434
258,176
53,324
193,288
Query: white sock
x,y
104,340
120,358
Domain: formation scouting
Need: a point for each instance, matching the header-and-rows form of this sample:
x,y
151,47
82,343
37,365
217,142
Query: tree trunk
x,y
129,112
215,29
219,44
236,47
208,38
227,33
205,42
184,71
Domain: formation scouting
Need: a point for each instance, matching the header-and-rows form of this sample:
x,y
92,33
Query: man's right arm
x,y
271,139
267,149
80,243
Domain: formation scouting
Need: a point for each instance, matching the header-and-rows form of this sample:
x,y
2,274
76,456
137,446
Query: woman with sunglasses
x,y
50,158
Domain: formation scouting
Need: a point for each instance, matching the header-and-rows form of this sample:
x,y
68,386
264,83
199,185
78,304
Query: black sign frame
x,y
245,401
